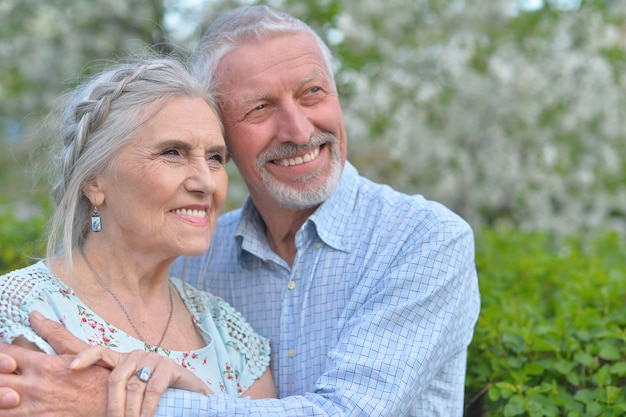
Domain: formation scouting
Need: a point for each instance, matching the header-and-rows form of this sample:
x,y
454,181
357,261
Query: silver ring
x,y
144,374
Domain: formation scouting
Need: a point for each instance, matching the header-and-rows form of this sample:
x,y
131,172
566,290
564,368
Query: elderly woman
x,y
142,182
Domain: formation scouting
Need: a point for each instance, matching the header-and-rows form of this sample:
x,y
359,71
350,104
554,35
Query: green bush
x,y
21,241
550,340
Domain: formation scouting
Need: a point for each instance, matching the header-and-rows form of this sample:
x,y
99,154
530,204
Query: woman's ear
x,y
93,192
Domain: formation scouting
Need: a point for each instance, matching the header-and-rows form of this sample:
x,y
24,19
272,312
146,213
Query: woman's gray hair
x,y
241,25
99,117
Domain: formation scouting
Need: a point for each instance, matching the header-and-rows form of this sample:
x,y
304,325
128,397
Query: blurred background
x,y
510,112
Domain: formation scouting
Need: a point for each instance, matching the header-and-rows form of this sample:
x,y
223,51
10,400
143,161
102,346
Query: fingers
x,y
155,387
131,393
167,373
97,355
16,358
140,390
8,365
126,390
8,398
131,396
61,340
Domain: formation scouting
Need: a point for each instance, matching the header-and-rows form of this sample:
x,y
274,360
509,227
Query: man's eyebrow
x,y
313,75
266,96
255,99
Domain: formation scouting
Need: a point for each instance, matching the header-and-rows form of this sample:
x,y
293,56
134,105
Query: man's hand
x,y
36,384
8,397
62,341
45,386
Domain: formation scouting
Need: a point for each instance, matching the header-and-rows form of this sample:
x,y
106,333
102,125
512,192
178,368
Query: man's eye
x,y
260,108
174,152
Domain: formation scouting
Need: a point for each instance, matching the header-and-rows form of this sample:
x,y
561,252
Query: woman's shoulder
x,y
230,322
203,303
28,277
38,267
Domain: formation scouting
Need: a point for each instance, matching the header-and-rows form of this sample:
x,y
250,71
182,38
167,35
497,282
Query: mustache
x,y
289,149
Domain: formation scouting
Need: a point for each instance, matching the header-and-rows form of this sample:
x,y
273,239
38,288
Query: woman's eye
x,y
217,157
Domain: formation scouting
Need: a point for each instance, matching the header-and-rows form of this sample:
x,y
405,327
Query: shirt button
x,y
318,245
291,285
291,353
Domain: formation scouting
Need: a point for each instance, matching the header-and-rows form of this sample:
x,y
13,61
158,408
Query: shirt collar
x,y
333,219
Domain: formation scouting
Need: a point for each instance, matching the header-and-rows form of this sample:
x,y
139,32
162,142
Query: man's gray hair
x,y
238,26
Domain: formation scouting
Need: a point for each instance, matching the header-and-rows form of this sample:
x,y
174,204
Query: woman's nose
x,y
200,179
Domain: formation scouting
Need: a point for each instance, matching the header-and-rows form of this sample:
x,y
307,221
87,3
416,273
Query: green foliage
x,y
550,340
21,240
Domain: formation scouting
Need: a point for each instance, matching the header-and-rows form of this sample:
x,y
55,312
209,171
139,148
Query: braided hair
x,y
100,116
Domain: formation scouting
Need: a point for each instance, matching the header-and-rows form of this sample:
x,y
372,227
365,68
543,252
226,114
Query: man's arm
x,y
33,383
44,385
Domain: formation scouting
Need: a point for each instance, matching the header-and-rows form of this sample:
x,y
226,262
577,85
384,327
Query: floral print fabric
x,y
234,357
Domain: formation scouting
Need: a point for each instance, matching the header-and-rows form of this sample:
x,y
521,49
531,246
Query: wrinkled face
x,y
169,183
283,120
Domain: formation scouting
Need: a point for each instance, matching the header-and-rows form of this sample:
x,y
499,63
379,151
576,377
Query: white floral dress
x,y
234,357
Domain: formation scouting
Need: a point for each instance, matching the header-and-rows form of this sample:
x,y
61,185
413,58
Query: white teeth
x,y
299,159
190,213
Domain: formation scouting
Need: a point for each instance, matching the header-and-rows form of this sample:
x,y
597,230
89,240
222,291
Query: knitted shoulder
x,y
23,286
18,284
233,325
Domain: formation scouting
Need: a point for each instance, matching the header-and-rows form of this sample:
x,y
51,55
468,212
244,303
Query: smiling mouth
x,y
190,213
308,157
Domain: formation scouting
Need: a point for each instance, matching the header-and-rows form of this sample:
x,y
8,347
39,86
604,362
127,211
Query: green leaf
x,y
534,368
619,369
513,341
610,351
514,407
584,359
494,393
585,396
594,409
603,376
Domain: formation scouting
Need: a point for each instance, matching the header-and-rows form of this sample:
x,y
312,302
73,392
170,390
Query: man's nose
x,y
294,124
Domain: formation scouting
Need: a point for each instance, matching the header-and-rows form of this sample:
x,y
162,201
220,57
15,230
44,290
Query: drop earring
x,y
96,220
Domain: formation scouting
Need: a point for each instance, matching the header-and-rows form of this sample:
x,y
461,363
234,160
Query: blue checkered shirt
x,y
373,318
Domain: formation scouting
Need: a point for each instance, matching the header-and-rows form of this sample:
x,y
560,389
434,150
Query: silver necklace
x,y
151,348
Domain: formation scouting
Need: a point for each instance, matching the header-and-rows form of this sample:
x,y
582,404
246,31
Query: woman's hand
x,y
128,394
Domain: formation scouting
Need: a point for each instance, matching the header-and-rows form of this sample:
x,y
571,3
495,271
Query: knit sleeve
x,y
18,297
254,348
249,352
